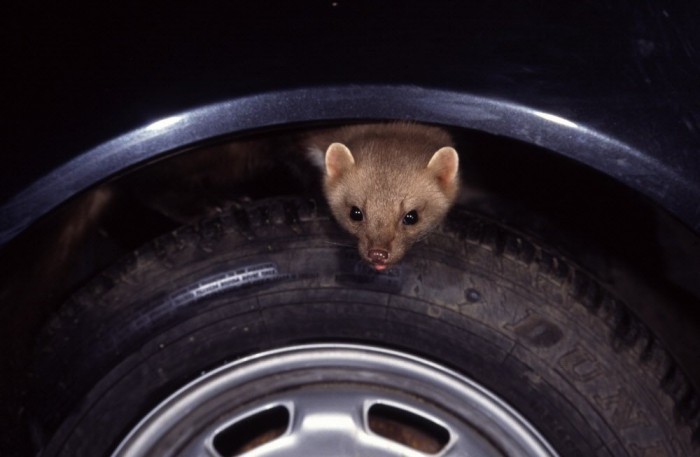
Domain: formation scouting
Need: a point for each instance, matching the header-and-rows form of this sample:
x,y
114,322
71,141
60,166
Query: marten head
x,y
389,194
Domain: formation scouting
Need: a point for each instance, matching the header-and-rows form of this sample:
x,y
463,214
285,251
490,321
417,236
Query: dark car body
x,y
610,84
95,92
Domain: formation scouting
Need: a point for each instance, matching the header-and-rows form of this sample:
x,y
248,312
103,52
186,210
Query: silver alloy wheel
x,y
333,400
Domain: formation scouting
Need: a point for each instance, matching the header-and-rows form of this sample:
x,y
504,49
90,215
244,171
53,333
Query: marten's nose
x,y
378,256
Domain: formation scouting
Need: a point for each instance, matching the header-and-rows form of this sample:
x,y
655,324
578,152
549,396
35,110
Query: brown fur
x,y
387,170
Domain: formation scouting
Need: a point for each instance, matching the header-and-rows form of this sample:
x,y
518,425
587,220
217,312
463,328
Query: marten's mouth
x,y
379,265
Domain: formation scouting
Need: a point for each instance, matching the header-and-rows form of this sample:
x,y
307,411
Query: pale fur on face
x,y
387,171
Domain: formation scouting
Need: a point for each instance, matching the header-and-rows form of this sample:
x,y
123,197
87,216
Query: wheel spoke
x,y
333,423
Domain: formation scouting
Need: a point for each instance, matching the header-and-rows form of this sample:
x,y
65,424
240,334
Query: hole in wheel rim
x,y
252,431
407,428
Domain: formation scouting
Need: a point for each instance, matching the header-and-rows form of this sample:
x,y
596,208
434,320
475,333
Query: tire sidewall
x,y
507,318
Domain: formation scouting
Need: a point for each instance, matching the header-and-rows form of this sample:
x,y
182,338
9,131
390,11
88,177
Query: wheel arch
x,y
624,163
665,252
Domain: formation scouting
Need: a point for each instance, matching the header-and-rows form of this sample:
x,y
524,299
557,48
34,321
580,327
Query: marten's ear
x,y
339,159
444,165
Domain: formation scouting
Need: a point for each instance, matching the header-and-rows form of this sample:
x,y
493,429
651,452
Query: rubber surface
x,y
475,296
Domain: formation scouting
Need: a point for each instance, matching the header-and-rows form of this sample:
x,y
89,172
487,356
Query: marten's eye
x,y
356,214
410,218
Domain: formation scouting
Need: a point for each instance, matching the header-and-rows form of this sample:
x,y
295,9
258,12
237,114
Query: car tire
x,y
478,300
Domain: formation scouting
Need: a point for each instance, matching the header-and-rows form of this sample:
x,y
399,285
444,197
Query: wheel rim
x,y
323,400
